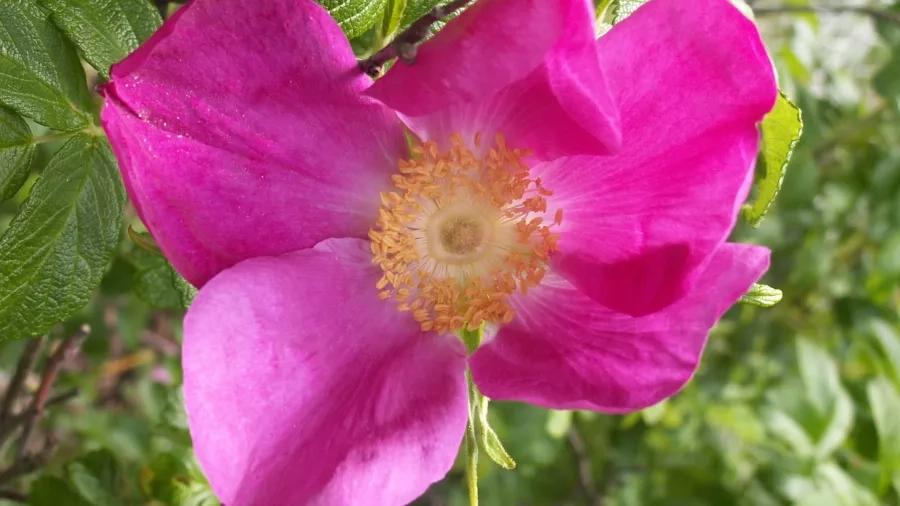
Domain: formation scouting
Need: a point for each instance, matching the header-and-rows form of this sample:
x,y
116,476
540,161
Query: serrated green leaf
x,y
16,153
781,129
624,8
354,16
762,295
59,245
52,491
885,404
106,31
415,9
161,287
40,74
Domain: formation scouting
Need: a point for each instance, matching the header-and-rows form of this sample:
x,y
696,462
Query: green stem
x,y
53,137
58,136
471,447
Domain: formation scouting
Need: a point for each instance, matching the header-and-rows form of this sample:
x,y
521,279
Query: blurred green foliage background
x,y
798,404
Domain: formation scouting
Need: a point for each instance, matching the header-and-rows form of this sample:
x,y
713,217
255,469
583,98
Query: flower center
x,y
461,233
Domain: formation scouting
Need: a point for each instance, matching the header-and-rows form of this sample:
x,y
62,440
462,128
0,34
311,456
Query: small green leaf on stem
x,y
491,443
484,434
762,295
144,241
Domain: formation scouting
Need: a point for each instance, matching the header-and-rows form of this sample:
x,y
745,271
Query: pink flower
x,y
578,204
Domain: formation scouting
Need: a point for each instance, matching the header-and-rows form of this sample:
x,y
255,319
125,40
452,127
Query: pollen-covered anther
x,y
461,233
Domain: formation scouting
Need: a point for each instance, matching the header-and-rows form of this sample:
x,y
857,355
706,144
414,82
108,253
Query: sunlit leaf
x,y
781,129
762,295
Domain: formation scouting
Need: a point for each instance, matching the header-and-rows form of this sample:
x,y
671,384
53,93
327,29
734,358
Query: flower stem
x,y
471,447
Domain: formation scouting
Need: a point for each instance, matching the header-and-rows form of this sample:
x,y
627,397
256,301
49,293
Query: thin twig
x,y
585,474
16,421
405,45
63,352
27,464
882,14
23,369
12,495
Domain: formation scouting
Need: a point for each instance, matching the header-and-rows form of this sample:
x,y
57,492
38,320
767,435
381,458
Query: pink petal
x,y
692,80
525,68
240,132
565,351
302,387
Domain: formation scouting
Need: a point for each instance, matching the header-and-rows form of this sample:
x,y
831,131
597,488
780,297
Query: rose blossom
x,y
573,194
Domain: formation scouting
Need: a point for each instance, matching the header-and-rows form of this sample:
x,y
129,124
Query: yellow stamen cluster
x,y
462,233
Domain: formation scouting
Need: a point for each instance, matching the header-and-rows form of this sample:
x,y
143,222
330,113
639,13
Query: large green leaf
x,y
16,152
781,130
61,242
415,9
40,74
106,31
355,16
